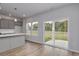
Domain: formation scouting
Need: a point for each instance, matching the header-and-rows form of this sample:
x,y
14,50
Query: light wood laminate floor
x,y
34,49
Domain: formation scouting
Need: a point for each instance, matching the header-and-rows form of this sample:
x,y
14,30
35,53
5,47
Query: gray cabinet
x,y
7,24
4,44
7,43
11,24
17,41
4,24
19,23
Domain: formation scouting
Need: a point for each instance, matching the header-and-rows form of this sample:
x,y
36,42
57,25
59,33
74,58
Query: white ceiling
x,y
28,9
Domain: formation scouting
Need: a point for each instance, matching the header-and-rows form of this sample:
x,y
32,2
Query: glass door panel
x,y
48,32
35,28
61,29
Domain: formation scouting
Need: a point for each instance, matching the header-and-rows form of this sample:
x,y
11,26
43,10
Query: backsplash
x,y
18,29
7,31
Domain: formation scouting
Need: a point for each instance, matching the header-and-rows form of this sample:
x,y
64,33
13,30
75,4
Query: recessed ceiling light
x,y
15,20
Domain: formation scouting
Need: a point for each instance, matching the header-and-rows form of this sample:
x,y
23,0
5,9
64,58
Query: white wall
x,y
72,13
37,38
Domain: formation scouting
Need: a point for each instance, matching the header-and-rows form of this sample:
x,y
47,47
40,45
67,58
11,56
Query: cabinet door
x,y
4,24
4,44
11,24
17,41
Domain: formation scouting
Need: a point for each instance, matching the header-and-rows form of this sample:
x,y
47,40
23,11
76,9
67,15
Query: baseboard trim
x,y
73,50
34,41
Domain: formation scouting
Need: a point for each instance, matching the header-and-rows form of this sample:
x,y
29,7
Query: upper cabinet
x,y
7,24
11,24
4,24
18,23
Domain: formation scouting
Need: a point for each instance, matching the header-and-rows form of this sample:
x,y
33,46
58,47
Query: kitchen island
x,y
10,41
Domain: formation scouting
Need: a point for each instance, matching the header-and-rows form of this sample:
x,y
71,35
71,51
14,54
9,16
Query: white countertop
x,y
14,34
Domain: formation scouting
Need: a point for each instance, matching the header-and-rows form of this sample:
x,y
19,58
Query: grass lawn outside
x,y
58,36
34,33
48,35
61,36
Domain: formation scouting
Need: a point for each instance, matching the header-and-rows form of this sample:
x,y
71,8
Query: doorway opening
x,y
48,32
56,33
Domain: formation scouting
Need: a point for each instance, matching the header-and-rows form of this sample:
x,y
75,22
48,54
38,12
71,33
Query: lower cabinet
x,y
8,43
17,41
4,44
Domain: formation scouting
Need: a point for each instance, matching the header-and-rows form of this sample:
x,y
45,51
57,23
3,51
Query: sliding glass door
x,y
61,30
48,37
55,33
34,28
